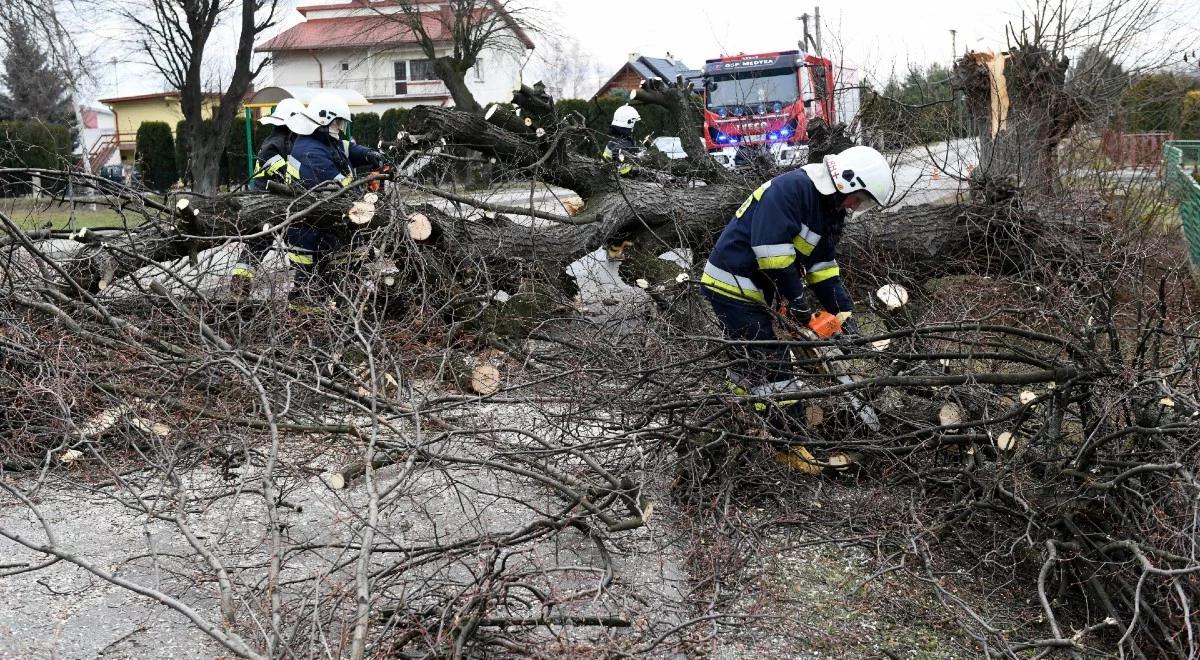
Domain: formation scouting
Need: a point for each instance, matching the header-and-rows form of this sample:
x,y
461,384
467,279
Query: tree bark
x,y
1020,109
455,81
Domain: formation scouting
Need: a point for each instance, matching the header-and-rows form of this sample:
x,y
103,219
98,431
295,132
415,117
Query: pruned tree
x,y
1022,103
178,38
454,33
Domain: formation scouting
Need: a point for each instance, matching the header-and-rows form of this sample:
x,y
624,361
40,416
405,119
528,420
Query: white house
x,y
98,137
363,45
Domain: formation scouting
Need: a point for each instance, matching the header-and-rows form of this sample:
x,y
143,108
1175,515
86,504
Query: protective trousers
x,y
751,321
309,249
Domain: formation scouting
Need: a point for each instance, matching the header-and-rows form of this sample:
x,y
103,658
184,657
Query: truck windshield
x,y
754,92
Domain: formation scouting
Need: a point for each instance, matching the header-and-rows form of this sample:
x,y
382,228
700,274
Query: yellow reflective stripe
x,y
243,271
730,285
775,263
717,286
822,275
302,259
806,241
773,250
607,155
625,169
755,196
822,271
778,255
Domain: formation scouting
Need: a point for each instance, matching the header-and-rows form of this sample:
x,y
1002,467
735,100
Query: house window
x,y
345,66
410,71
478,69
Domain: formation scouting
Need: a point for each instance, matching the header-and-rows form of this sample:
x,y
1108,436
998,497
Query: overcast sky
x,y
878,36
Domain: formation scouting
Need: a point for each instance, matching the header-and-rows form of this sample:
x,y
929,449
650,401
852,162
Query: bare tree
x,y
569,71
179,38
1023,102
455,35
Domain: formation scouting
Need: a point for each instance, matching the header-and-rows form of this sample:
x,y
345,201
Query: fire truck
x,y
766,101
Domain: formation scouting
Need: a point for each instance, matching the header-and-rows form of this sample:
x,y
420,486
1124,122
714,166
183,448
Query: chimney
x,y
634,56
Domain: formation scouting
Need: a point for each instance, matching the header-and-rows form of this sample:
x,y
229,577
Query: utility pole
x,y
953,45
812,40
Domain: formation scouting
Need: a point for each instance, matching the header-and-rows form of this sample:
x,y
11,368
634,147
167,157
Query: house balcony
x,y
389,89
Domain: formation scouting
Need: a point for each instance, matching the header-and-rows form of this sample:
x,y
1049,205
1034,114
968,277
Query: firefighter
x,y
274,163
782,238
621,146
323,157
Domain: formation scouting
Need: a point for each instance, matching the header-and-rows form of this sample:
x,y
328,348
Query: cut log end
x,y
361,213
419,227
950,414
1006,441
334,480
485,380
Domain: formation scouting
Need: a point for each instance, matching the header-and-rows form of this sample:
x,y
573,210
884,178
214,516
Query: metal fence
x,y
1134,149
1182,160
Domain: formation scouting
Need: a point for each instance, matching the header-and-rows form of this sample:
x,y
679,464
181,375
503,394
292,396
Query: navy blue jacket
x,y
782,229
322,158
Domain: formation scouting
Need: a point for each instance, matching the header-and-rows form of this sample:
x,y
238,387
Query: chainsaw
x,y
823,325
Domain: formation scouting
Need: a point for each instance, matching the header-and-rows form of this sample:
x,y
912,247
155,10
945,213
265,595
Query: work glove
x,y
376,159
798,312
850,329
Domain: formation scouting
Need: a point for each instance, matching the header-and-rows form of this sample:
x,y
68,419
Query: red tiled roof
x,y
351,31
365,30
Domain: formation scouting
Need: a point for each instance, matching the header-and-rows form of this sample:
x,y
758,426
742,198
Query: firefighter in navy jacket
x,y
782,239
322,155
621,146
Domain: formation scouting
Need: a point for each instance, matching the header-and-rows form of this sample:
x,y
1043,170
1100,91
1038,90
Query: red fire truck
x,y
765,101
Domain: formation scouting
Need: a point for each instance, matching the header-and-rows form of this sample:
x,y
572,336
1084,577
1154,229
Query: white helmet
x,y
862,168
326,107
285,109
626,116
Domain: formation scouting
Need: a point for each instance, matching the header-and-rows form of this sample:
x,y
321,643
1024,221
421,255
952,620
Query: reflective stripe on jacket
x,y
782,237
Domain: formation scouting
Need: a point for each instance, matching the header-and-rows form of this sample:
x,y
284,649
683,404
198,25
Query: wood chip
x,y
71,455
893,296
1027,396
1166,402
370,198
814,415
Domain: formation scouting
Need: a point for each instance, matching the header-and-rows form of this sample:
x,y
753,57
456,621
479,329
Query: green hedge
x,y
156,155
365,129
598,113
392,122
32,144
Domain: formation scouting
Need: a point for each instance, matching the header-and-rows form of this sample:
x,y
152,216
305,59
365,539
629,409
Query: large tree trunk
x,y
1020,109
206,153
456,82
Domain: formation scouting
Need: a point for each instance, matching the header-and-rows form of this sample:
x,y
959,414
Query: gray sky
x,y
878,36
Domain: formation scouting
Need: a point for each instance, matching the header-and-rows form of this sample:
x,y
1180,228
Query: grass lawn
x,y
33,214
